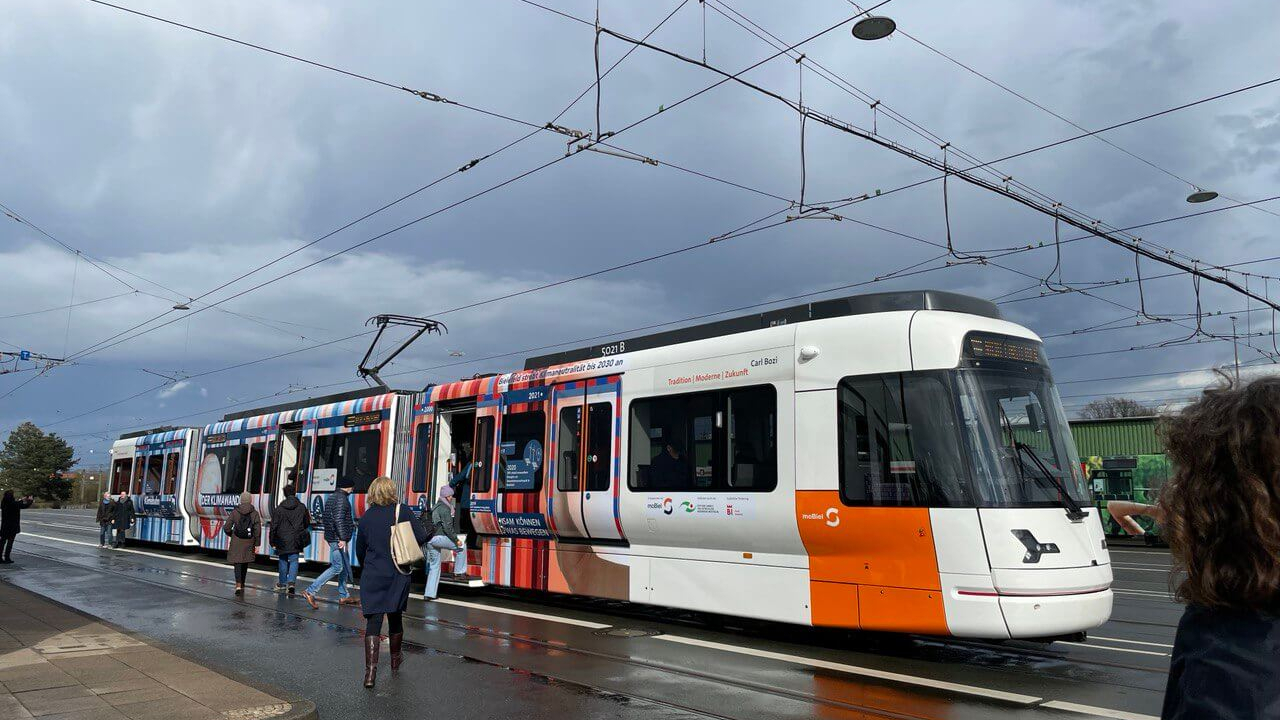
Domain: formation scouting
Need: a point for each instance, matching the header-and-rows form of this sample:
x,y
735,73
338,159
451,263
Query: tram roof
x,y
309,402
820,310
152,431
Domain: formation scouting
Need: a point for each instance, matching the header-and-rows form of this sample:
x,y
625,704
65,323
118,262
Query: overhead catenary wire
x,y
966,174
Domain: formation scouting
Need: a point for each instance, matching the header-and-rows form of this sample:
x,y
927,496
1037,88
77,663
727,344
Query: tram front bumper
x,y
1044,603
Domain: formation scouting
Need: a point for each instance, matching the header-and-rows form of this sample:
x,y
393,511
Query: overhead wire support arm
x,y
1083,223
423,325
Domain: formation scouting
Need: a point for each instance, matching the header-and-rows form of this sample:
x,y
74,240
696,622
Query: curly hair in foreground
x,y
1222,505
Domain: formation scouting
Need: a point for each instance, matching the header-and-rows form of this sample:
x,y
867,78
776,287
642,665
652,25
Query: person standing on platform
x,y
290,535
1220,513
244,526
10,512
384,587
124,517
339,525
106,515
443,537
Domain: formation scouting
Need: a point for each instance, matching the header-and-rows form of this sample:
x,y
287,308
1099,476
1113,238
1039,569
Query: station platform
x,y
59,663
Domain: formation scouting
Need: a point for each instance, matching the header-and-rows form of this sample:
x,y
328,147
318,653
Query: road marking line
x,y
857,670
520,613
1104,647
1097,711
460,603
1134,642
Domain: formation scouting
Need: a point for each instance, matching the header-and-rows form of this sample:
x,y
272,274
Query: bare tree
x,y
1115,407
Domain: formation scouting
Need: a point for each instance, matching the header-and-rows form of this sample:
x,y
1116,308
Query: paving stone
x,y
97,713
45,676
59,700
166,708
10,708
142,682
130,697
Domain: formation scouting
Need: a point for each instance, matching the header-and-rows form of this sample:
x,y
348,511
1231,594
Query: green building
x,y
1124,460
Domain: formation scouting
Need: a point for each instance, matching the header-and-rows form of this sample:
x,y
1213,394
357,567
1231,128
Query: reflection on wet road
x,y
485,654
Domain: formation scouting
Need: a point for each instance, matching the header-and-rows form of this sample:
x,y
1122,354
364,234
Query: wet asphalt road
x,y
484,654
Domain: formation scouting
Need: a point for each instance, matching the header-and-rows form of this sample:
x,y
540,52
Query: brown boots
x,y
397,656
371,643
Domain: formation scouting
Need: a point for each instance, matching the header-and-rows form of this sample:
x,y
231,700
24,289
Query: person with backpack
x,y
105,517
124,517
339,526
244,527
290,535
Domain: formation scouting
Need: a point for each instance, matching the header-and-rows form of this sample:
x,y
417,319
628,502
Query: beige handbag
x,y
405,551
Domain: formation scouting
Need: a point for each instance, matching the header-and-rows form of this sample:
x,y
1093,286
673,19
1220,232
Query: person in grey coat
x,y
443,537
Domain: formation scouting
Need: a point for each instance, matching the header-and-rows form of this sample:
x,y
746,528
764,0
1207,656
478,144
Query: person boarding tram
x,y
339,525
105,517
443,524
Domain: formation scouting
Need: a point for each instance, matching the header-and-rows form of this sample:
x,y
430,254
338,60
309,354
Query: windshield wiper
x,y
1074,513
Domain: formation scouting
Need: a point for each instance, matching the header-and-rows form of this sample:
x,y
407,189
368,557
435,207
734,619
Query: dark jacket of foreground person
x,y
290,527
10,512
382,588
124,514
244,550
1226,664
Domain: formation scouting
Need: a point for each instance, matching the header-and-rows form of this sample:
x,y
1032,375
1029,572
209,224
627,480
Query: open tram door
x,y
458,433
288,466
583,484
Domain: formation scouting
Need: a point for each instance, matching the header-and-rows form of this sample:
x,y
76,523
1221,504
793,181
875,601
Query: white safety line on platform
x,y
1131,642
1097,711
857,670
444,601
1116,649
1143,593
1164,570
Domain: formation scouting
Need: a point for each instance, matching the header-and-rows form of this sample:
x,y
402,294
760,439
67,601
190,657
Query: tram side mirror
x,y
1034,419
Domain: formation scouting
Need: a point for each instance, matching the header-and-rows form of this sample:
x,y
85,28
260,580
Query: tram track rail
x,y
503,636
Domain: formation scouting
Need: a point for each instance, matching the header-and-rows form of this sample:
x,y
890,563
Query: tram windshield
x,y
1015,433
989,434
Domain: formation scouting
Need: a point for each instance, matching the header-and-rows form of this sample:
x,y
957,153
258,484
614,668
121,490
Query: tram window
x,y
520,452
599,445
723,440
139,470
257,464
155,474
898,443
353,455
303,469
570,437
232,460
481,473
172,462
421,458
752,438
273,462
120,475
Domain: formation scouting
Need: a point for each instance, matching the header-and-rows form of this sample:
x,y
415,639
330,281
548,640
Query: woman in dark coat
x,y
10,511
243,550
384,589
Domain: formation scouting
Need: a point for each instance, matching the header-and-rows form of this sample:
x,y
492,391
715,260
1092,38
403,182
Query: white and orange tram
x,y
895,462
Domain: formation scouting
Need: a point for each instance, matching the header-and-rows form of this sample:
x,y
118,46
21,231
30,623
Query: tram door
x,y
285,470
583,483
